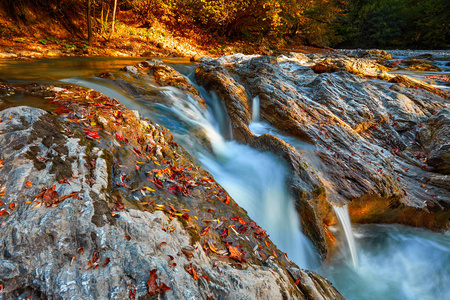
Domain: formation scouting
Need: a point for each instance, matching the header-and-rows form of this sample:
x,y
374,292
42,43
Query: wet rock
x,y
415,83
164,75
376,54
358,66
357,140
88,233
168,76
435,138
7,55
420,64
53,53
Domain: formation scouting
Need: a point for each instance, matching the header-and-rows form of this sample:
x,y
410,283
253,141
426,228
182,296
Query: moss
x,y
18,147
193,232
108,157
32,154
102,212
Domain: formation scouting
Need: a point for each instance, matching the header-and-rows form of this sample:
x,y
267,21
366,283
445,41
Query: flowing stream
x,y
393,262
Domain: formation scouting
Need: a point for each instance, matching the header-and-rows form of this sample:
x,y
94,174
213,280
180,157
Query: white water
x,y
394,262
255,109
309,155
344,219
255,180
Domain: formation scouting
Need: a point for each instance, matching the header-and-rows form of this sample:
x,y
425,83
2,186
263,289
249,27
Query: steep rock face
x,y
364,132
95,199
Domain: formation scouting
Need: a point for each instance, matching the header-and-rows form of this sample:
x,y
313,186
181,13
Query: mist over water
x,y
395,262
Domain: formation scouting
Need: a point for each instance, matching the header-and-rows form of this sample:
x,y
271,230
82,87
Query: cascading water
x,y
255,109
309,155
394,262
255,180
344,219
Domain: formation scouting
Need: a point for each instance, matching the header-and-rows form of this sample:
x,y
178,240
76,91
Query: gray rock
x,y
76,249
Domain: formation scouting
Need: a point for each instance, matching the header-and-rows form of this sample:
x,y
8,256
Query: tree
x,y
113,19
88,20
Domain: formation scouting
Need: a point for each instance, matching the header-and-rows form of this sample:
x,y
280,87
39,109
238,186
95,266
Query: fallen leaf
x,y
153,287
204,231
28,184
107,260
191,270
235,254
239,219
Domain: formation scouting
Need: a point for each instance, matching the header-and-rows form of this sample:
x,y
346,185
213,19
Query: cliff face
x,y
97,203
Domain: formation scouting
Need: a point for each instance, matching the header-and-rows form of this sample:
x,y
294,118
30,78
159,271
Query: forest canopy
x,y
337,23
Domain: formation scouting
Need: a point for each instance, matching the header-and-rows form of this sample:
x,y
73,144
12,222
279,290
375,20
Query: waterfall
x,y
255,109
344,219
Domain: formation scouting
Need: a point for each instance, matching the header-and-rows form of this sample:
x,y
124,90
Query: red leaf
x,y
152,287
28,184
186,216
227,200
163,288
132,294
91,133
224,234
119,136
239,219
107,260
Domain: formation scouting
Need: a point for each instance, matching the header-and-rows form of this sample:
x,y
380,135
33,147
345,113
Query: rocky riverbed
x,y
101,203
98,203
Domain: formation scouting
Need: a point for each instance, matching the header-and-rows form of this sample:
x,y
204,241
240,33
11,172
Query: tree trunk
x,y
113,19
88,19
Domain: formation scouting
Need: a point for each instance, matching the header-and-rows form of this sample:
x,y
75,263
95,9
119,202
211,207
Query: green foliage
x,y
396,24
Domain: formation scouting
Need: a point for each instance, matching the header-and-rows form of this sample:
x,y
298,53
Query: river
x,y
388,262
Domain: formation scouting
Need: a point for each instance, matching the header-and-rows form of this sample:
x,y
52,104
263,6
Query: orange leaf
x,y
239,219
274,253
12,205
68,196
235,254
206,179
28,184
205,231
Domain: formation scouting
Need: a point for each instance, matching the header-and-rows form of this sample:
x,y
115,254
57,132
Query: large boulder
x,y
100,204
363,67
364,136
420,64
